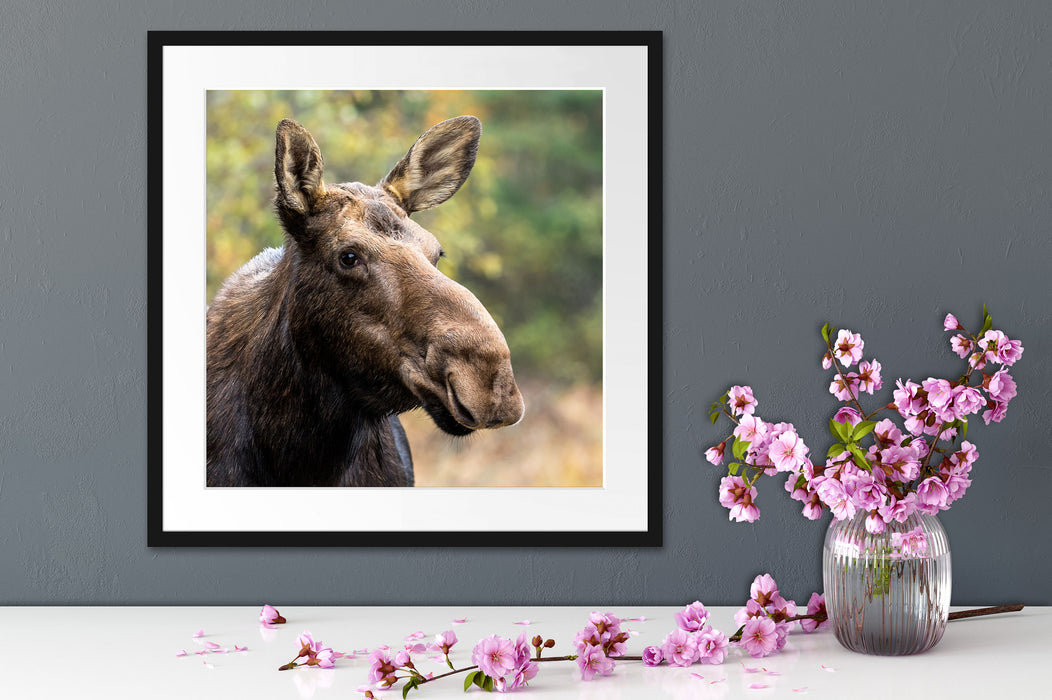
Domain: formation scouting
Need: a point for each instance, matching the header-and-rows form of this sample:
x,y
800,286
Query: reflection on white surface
x,y
267,634
309,680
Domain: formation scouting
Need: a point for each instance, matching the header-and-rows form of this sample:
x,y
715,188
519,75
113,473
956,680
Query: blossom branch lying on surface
x,y
874,467
502,664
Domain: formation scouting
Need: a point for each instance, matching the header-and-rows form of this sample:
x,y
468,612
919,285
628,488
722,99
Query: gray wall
x,y
870,164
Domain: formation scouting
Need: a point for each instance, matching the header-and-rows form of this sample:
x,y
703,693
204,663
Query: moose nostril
x,y
465,415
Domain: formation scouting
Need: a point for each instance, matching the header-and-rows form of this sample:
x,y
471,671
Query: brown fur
x,y
312,353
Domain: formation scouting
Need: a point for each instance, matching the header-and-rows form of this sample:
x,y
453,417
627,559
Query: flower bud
x,y
548,644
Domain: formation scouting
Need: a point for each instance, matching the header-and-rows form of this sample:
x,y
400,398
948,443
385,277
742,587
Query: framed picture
x,y
404,289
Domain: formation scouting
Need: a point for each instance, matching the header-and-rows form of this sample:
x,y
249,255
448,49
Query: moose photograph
x,y
404,288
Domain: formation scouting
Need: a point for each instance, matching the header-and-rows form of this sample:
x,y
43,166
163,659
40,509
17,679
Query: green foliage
x,y
524,233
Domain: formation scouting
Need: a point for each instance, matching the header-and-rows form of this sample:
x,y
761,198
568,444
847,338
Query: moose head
x,y
368,303
314,348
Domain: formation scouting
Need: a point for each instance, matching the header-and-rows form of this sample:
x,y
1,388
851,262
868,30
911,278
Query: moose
x,y
314,348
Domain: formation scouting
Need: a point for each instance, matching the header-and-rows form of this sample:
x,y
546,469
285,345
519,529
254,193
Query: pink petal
x,y
211,645
181,652
800,689
200,653
460,621
415,635
220,651
429,675
383,647
237,648
341,655
826,668
698,675
199,633
641,618
758,686
523,622
269,626
750,670
207,665
772,673
715,682
363,652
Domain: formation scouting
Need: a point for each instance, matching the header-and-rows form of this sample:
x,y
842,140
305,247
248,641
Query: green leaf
x,y
714,416
469,680
409,686
801,481
825,332
740,446
964,430
863,429
841,431
487,685
988,322
733,468
835,451
907,441
860,457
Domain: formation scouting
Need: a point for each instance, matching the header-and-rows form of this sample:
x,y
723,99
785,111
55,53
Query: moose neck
x,y
312,430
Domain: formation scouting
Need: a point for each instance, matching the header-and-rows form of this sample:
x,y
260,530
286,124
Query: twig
x,y
976,612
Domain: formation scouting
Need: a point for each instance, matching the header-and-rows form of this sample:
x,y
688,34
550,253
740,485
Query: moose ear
x,y
297,169
436,166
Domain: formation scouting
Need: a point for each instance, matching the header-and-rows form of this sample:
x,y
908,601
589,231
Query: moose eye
x,y
349,259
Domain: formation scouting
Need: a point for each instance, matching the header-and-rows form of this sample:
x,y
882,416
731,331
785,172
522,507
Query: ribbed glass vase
x,y
887,594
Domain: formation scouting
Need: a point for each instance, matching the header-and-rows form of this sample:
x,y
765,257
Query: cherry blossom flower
x,y
848,416
680,648
381,670
760,637
741,400
845,388
951,323
911,543
815,606
1001,386
715,454
736,495
869,376
652,656
763,589
712,646
444,641
269,615
961,345
848,347
494,655
692,618
592,662
788,451
931,495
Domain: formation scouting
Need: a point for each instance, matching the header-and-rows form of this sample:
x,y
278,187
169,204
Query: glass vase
x,y
887,593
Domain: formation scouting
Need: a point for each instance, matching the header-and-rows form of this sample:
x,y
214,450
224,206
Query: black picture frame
x,y
647,414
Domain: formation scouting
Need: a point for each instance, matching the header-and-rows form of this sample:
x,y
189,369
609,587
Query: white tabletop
x,y
131,652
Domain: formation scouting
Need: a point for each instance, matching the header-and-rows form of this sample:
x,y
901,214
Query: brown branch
x,y
977,612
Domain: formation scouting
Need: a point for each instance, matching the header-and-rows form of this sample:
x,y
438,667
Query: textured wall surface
x,y
870,164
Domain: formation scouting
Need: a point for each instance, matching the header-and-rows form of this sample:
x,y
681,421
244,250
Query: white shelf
x,y
130,652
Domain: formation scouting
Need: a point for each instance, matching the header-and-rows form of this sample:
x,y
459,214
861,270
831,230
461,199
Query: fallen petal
x,y
715,682
199,633
801,689
237,648
220,651
460,621
641,618
698,675
827,668
415,635
522,622
211,645
750,670
181,652
758,686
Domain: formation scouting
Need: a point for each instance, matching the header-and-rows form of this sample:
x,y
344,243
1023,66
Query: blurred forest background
x,y
524,234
